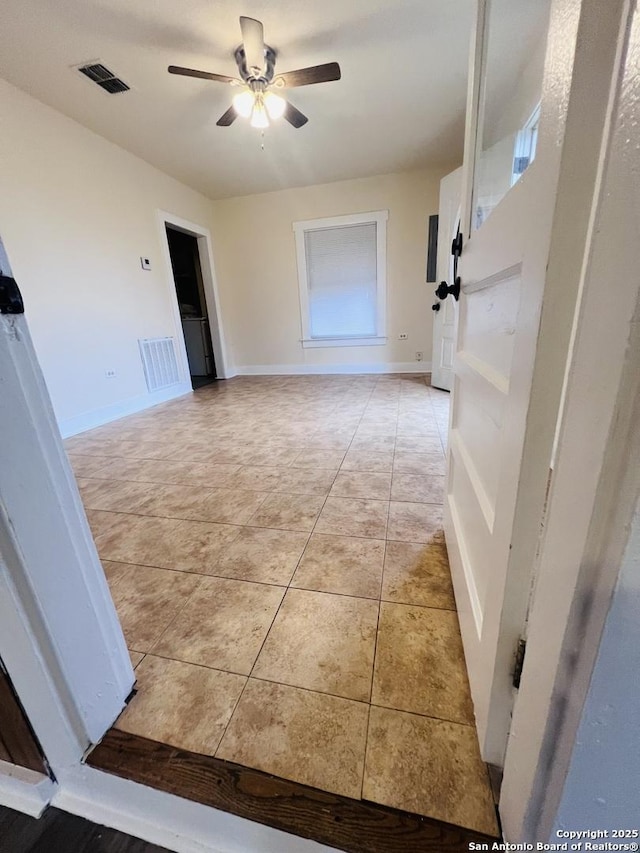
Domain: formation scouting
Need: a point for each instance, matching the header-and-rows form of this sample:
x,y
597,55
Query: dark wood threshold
x,y
355,826
18,743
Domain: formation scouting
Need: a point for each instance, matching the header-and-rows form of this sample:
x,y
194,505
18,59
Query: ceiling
x,y
399,106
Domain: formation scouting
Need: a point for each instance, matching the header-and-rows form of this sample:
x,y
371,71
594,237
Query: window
x,y
342,279
524,150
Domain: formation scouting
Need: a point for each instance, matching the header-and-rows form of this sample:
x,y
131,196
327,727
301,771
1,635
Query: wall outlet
x,y
145,263
419,356
403,336
110,374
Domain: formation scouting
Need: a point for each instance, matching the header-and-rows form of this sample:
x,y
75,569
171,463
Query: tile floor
x,y
275,552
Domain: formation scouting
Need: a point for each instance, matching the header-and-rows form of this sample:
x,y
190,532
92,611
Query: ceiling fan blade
x,y
227,118
253,41
315,74
204,75
294,116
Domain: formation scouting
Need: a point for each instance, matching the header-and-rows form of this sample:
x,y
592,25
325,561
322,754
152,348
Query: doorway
x,y
192,304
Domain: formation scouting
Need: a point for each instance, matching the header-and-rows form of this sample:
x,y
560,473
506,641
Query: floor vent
x,y
159,362
107,80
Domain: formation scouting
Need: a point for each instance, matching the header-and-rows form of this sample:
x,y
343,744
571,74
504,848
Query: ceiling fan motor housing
x,y
269,65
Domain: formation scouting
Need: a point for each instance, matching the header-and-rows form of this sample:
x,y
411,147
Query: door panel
x,y
506,233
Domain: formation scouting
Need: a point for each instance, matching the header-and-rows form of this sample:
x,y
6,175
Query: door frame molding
x,y
71,691
210,285
591,489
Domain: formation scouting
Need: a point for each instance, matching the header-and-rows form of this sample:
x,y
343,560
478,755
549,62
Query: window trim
x,y
379,217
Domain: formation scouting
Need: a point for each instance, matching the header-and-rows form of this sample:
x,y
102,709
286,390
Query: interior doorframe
x,y
592,490
60,637
210,285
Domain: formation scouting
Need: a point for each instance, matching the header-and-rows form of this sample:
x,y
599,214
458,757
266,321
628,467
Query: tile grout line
x,y
271,625
243,525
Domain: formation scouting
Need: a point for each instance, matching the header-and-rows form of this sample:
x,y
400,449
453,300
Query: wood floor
x,y
59,832
355,826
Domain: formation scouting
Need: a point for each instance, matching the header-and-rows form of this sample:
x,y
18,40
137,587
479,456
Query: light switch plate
x,y
145,263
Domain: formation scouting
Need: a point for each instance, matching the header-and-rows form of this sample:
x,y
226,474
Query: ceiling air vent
x,y
106,79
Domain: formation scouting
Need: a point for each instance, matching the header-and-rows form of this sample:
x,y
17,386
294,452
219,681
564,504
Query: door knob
x,y
444,289
435,306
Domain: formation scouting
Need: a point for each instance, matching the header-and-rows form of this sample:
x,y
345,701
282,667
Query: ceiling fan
x,y
256,63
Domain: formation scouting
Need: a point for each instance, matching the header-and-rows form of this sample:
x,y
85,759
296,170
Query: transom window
x,y
342,279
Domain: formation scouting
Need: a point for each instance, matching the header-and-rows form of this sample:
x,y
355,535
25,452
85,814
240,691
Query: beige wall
x,y
255,258
76,214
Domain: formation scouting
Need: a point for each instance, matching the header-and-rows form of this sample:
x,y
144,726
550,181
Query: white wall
x,y
602,785
76,214
255,256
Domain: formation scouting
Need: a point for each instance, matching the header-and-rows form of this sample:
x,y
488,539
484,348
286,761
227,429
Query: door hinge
x,y
10,296
519,662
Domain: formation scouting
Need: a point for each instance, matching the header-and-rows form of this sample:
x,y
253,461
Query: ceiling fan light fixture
x,y
259,117
243,103
275,105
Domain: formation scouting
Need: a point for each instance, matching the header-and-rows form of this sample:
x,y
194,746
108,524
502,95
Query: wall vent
x,y
159,362
107,80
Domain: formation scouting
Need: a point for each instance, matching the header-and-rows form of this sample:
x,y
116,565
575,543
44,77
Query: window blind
x,y
342,280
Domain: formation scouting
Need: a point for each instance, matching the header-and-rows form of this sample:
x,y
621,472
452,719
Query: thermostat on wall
x,y
145,263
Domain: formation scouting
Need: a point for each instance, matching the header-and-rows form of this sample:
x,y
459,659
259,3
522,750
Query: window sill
x,y
377,341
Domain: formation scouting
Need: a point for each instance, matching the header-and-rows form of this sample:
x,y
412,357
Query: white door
x,y
509,192
445,315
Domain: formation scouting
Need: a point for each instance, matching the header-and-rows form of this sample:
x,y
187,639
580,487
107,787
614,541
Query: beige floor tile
x,y
353,517
428,767
419,444
257,478
87,466
114,571
223,625
181,704
136,658
336,655
419,463
417,574
415,522
272,456
147,599
100,522
263,555
309,458
362,484
306,481
423,488
178,473
341,564
330,440
197,503
368,460
165,543
115,495
420,663
373,444
288,512
307,737
145,449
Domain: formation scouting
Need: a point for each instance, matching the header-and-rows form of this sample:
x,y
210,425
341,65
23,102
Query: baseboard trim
x,y
98,417
419,367
24,790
